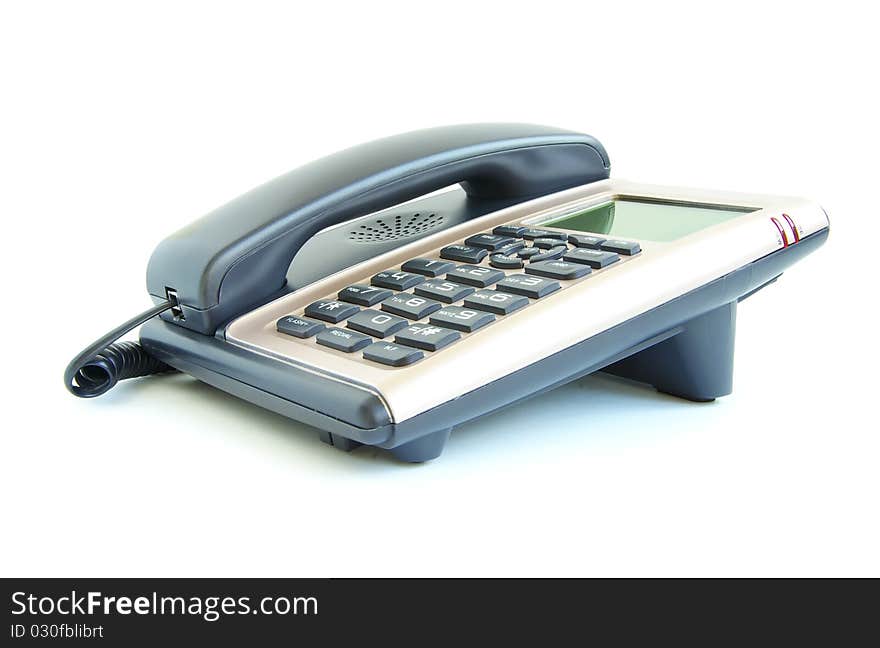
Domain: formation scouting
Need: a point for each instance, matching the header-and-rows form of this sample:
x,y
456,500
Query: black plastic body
x,y
237,257
683,347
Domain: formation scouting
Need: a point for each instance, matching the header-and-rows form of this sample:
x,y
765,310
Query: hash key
x,y
426,336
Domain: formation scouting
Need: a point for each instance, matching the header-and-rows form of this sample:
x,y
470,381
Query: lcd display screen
x,y
649,220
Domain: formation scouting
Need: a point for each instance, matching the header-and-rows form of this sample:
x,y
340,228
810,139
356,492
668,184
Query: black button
x,y
463,253
528,252
375,323
298,326
396,280
510,248
495,302
426,336
363,295
621,247
506,261
408,305
529,286
445,291
394,355
515,231
428,267
585,240
330,310
546,243
558,270
489,242
343,340
461,319
532,234
593,258
552,253
479,276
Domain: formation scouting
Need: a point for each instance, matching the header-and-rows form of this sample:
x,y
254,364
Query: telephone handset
x,y
354,296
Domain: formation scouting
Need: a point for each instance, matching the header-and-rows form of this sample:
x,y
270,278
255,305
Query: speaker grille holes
x,y
389,228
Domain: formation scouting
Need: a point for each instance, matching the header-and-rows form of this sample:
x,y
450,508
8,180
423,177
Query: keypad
x,y
396,280
558,270
527,286
427,336
299,326
330,310
479,276
496,302
428,267
467,320
375,323
363,295
445,291
463,253
429,303
343,340
410,306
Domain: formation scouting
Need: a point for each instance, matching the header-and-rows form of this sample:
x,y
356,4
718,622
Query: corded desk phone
x,y
355,296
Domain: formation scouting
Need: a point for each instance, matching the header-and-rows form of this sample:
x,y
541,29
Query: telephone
x,y
395,290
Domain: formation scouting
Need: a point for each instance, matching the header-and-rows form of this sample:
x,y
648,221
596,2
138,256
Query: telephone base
x,y
683,347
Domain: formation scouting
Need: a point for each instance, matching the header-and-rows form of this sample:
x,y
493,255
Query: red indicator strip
x,y
781,231
797,237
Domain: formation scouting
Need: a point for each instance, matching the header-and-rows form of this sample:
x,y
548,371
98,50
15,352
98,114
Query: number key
x,y
495,302
428,267
363,295
445,291
461,319
377,324
396,280
479,276
528,286
410,306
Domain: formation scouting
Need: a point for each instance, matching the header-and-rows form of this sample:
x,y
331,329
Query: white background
x,y
121,124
